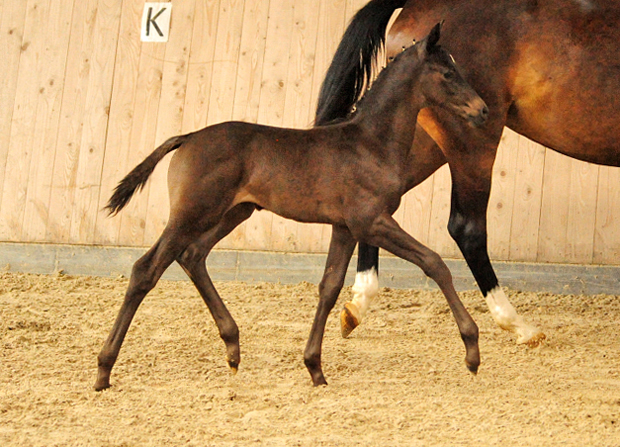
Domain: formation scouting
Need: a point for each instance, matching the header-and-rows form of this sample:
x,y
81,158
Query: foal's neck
x,y
389,110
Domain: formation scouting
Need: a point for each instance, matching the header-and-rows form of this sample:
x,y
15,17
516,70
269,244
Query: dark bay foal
x,y
350,175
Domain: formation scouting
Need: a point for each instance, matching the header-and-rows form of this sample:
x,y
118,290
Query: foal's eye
x,y
449,74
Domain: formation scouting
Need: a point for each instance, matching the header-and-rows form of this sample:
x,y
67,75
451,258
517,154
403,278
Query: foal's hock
x,y
349,175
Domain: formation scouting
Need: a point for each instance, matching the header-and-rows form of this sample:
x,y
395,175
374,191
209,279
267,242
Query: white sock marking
x,y
507,318
365,289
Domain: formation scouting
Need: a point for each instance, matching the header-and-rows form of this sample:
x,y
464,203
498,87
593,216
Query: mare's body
x,y
350,175
548,69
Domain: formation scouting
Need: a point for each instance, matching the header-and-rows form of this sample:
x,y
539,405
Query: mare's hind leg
x,y
386,233
341,249
145,273
365,289
193,261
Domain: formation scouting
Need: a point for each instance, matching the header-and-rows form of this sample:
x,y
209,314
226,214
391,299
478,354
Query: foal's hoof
x,y
234,366
472,368
349,319
101,385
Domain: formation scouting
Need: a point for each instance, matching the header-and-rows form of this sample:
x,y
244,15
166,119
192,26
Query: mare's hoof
x,y
532,341
349,319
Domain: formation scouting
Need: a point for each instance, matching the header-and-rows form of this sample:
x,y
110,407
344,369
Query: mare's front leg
x,y
470,152
471,185
341,249
386,233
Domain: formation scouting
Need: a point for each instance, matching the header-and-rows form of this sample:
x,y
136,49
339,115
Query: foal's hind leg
x,y
193,261
386,233
145,273
341,249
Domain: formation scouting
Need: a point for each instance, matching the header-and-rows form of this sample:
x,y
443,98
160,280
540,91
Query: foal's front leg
x,y
387,234
341,249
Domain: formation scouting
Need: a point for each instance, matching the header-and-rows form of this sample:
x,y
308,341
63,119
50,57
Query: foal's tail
x,y
352,66
136,179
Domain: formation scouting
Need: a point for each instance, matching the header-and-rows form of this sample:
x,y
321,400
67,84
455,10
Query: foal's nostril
x,y
478,115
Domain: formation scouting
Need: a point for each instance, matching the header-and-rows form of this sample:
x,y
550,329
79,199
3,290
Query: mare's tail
x,y
136,179
351,68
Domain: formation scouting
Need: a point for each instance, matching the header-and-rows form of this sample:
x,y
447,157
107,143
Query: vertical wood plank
x,y
147,85
92,148
228,40
607,229
143,139
170,113
276,62
298,105
201,61
501,200
248,84
332,19
568,210
12,24
84,121
37,215
527,201
554,211
416,216
71,125
122,153
36,111
438,237
250,64
582,212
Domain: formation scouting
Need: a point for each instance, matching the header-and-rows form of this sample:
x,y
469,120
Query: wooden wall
x,y
83,100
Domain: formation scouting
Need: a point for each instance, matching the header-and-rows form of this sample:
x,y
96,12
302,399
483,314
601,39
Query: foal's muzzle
x,y
476,113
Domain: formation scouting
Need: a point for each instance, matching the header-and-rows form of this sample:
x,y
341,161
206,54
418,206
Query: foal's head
x,y
442,85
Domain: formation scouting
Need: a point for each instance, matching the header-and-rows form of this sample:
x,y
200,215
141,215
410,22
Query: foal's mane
x,y
374,85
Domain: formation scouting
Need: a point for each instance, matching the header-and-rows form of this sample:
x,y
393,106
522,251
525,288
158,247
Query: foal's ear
x,y
427,44
433,36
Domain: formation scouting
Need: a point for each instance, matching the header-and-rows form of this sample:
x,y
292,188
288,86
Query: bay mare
x,y
548,69
350,175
